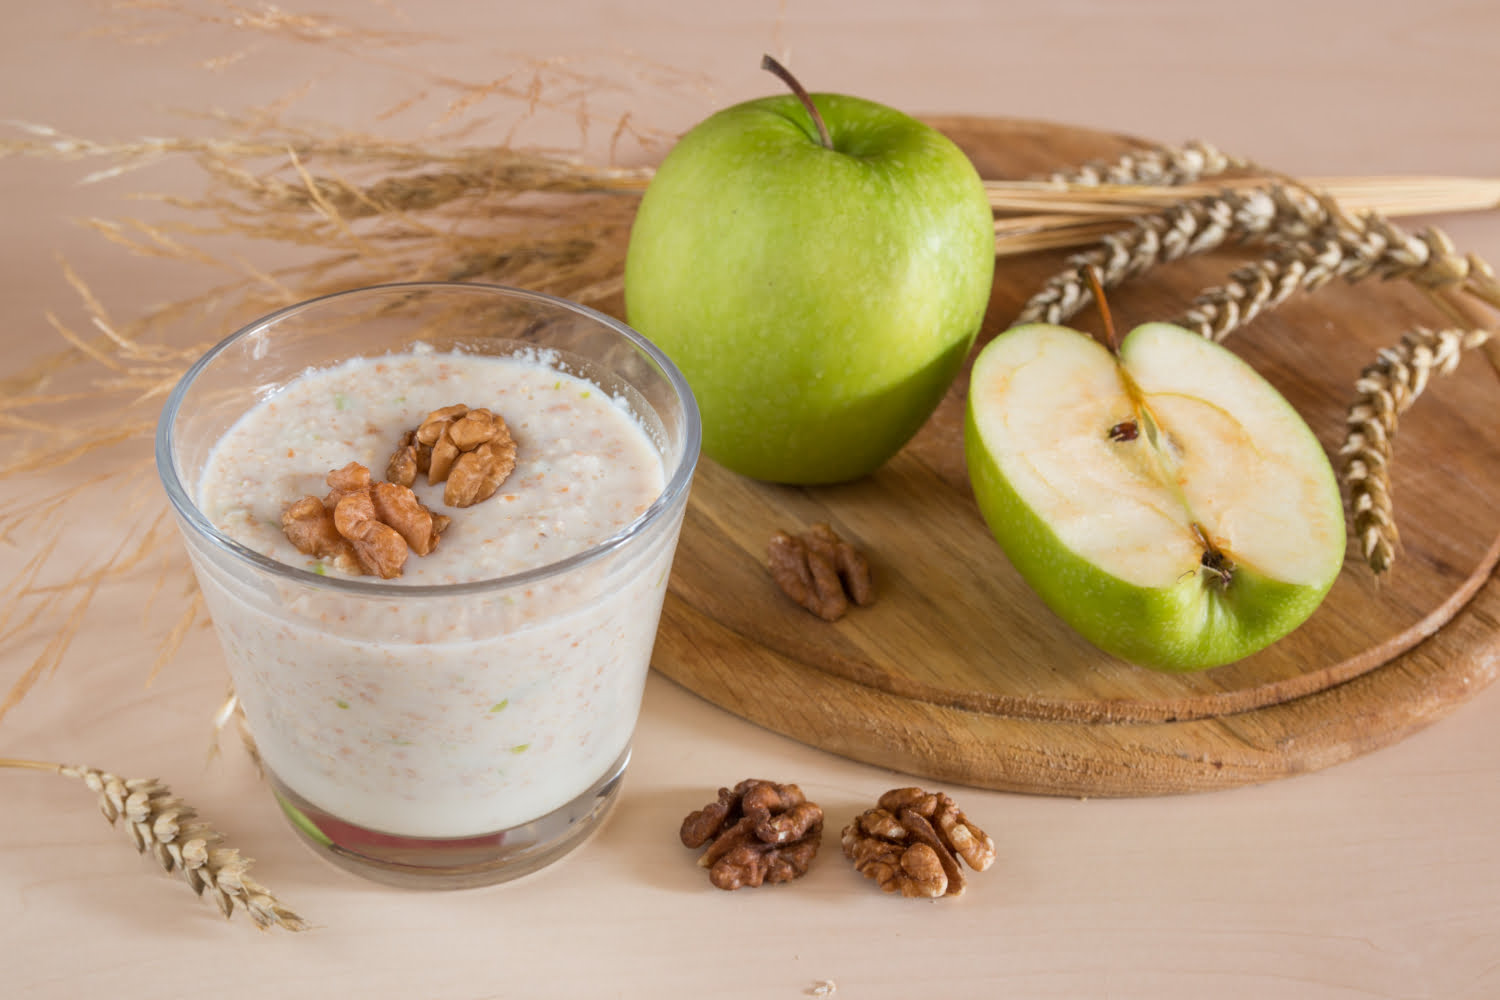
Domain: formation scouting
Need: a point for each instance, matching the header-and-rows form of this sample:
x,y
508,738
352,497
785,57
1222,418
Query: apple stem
x,y
767,63
1096,285
1214,560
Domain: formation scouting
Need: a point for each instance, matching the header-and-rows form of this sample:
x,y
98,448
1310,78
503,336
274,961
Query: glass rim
x,y
672,491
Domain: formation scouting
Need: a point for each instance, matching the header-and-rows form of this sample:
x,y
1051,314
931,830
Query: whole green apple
x,y
1163,499
819,298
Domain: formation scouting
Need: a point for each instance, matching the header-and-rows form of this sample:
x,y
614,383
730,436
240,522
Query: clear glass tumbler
x,y
437,736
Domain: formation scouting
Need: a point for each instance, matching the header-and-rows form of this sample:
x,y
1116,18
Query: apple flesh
x,y
1164,500
819,301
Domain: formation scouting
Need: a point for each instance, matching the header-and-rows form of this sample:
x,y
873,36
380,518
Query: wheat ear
x,y
1163,166
1354,249
160,823
1194,226
1386,389
1342,247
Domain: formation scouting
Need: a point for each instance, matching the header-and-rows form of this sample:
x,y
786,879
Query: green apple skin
x,y
1190,622
819,301
1181,628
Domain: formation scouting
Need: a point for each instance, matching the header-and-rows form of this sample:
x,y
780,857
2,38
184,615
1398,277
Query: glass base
x,y
452,863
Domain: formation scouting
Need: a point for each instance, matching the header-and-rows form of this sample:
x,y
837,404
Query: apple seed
x,y
1214,560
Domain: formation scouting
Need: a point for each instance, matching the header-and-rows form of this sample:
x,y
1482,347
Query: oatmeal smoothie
x,y
452,713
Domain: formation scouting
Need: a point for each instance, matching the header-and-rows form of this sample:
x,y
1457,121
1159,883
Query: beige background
x,y
1376,878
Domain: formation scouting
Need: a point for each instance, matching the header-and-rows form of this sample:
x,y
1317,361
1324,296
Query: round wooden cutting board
x,y
960,674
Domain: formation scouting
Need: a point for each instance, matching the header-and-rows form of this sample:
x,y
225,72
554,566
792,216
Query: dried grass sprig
x,y
1385,390
161,824
37,591
379,210
473,173
232,711
143,23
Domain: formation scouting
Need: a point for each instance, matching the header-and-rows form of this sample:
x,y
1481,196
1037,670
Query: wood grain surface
x,y
959,673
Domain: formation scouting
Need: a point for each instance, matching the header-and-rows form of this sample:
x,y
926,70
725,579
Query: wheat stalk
x,y
1386,389
1034,216
1340,247
169,830
1190,227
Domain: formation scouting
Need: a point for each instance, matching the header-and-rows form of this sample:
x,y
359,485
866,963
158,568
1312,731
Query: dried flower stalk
x,y
169,830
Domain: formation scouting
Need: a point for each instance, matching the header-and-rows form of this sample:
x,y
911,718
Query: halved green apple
x,y
1164,500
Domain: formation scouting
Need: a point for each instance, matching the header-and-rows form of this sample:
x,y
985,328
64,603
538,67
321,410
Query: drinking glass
x,y
437,735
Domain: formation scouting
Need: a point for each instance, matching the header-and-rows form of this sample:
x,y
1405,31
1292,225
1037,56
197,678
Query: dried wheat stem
x,y
1386,389
1100,203
1086,205
171,831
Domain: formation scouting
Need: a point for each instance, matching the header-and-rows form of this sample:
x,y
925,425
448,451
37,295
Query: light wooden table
x,y
1376,878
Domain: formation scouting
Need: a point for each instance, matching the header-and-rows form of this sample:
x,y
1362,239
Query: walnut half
x,y
758,832
470,451
911,842
820,571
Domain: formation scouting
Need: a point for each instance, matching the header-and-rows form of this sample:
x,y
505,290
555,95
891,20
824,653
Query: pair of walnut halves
x,y
910,843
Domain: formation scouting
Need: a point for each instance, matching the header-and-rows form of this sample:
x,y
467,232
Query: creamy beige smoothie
x,y
490,708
